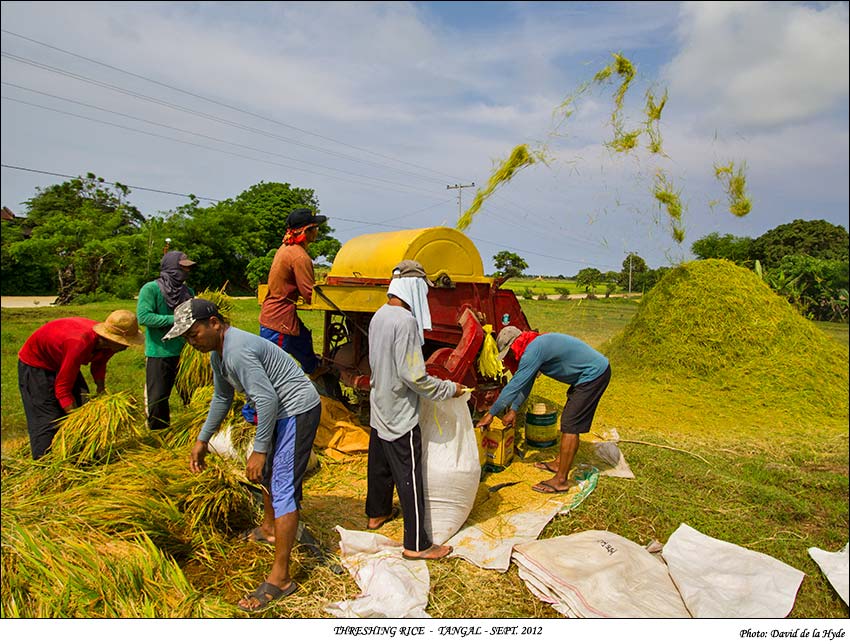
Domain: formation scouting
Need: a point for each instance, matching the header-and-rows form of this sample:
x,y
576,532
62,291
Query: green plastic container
x,y
541,430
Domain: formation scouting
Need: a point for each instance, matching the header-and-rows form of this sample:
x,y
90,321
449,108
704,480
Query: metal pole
x,y
630,272
459,189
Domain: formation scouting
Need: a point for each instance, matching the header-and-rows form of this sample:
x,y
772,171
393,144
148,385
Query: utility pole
x,y
459,189
630,272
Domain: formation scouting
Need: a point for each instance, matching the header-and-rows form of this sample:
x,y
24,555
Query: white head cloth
x,y
413,291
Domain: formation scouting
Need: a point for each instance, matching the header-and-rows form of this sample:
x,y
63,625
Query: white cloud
x,y
761,64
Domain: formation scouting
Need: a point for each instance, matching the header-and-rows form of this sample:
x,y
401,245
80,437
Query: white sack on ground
x,y
598,574
221,443
835,566
390,585
720,579
450,466
611,461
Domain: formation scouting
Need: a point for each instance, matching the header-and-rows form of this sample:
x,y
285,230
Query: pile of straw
x,y
714,321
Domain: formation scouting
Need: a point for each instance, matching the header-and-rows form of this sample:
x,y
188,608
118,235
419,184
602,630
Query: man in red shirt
x,y
49,366
291,276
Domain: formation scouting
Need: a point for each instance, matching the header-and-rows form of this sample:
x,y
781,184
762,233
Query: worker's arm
x,y
304,277
410,366
219,407
519,387
146,309
73,353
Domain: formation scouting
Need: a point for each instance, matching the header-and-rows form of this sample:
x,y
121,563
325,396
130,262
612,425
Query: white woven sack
x,y
450,466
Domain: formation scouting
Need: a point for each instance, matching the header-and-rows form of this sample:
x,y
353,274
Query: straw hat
x,y
121,327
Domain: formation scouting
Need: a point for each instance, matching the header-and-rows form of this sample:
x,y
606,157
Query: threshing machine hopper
x,y
462,300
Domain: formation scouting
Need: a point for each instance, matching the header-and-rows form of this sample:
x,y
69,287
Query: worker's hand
x,y
485,421
101,388
69,408
509,418
197,461
459,389
254,469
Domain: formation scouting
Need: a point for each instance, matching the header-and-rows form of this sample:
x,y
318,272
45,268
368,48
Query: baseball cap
x,y
505,339
189,312
185,261
411,268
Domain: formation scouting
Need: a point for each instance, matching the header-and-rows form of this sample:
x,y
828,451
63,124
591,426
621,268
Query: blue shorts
x,y
286,462
298,346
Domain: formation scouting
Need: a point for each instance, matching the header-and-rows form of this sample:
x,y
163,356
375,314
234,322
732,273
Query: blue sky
x,y
379,107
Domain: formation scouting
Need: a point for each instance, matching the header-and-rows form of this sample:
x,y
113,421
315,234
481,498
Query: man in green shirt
x,y
155,311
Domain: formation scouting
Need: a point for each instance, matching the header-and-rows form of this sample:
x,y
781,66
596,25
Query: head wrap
x,y
172,278
413,291
294,236
517,348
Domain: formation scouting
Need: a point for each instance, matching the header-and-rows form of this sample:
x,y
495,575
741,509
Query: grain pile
x,y
716,322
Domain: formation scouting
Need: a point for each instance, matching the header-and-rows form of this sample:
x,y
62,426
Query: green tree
x,y
715,246
589,278
817,238
632,274
86,235
509,264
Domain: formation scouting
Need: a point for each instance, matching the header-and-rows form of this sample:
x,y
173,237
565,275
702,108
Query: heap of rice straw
x,y
50,570
735,185
93,432
194,369
519,158
714,321
669,198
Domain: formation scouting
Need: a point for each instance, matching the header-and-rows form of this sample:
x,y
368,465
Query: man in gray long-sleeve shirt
x,y
398,380
288,413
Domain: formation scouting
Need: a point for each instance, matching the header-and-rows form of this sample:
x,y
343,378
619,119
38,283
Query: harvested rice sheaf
x,y
194,370
735,185
94,432
712,320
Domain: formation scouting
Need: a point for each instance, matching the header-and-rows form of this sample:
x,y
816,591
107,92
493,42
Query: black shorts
x,y
582,401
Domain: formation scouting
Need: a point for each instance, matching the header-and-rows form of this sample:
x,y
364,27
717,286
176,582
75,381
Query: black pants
x,y
41,407
398,463
160,374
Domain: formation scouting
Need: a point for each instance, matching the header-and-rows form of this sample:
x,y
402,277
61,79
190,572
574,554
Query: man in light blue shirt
x,y
562,358
288,413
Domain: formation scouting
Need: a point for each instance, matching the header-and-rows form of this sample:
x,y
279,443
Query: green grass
x,y
750,474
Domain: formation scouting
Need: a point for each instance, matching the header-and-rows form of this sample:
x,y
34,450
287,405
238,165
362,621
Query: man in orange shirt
x,y
291,276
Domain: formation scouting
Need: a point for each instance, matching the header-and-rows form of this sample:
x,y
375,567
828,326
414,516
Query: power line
x,y
111,183
215,102
187,110
190,132
198,145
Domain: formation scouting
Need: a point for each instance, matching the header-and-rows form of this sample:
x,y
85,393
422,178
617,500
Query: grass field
x,y
762,478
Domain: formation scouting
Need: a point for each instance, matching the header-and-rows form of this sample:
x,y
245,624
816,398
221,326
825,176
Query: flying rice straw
x,y
519,158
669,198
735,186
623,141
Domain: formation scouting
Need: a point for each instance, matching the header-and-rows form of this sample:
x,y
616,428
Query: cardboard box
x,y
497,443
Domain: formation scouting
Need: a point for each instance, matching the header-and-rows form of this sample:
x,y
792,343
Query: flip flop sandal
x,y
420,558
543,465
393,515
266,594
255,535
549,489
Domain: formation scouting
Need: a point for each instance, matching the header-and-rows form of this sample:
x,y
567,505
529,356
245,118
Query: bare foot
x,y
434,552
376,522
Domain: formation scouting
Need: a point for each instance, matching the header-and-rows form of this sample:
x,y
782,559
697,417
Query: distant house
x,y
8,215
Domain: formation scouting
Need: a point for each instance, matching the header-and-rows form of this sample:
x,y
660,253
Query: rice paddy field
x,y
731,408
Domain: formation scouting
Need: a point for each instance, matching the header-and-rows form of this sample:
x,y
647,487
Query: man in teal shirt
x,y
562,358
155,311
